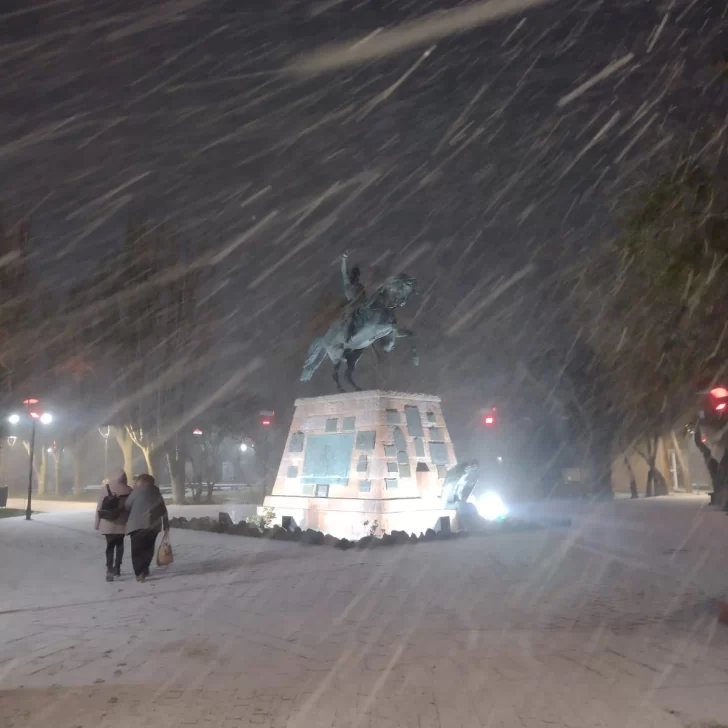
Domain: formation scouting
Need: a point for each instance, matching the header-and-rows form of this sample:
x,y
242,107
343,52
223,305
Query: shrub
x,y
263,520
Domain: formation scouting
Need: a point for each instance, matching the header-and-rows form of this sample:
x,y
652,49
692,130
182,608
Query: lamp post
x,y
104,431
36,414
12,439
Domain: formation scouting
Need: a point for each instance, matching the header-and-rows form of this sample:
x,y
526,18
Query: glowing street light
x,y
36,414
244,447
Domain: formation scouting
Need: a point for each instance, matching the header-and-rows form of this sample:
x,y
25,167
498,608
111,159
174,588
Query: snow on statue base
x,y
360,461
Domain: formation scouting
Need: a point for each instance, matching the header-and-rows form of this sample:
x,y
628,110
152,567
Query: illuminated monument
x,y
364,457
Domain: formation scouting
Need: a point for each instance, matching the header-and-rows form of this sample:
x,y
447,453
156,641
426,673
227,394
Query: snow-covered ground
x,y
609,623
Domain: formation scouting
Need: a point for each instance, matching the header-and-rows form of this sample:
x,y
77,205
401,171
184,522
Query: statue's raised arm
x,y
350,288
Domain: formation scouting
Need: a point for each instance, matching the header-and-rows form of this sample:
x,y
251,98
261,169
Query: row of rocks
x,y
309,537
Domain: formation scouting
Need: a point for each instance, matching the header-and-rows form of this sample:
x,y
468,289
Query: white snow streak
x,y
606,72
595,140
384,95
636,138
495,293
407,35
241,239
659,29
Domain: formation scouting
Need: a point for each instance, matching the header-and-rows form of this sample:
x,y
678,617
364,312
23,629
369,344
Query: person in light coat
x,y
113,530
147,517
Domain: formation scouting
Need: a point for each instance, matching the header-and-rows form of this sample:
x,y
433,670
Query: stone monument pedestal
x,y
352,460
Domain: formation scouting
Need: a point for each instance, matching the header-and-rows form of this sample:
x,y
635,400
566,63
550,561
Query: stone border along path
x,y
311,537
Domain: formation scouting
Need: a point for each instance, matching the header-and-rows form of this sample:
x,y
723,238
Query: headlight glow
x,y
491,506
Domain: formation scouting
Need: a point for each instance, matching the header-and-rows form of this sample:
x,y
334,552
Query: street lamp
x,y
45,418
104,432
244,447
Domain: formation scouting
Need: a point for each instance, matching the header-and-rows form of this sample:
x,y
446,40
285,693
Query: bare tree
x,y
40,464
150,348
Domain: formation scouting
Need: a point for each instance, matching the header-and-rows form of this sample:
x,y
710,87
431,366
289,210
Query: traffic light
x,y
719,398
34,410
490,417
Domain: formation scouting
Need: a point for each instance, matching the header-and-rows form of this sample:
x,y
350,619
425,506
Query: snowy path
x,y
609,623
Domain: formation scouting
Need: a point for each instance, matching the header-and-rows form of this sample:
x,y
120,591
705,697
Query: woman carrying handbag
x,y
147,517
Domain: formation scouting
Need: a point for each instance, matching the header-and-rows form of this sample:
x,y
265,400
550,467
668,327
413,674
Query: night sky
x,y
481,162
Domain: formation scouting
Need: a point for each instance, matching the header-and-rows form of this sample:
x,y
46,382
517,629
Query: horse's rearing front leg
x,y
336,376
409,334
351,359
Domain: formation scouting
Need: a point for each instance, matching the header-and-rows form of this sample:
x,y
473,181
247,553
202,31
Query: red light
x,y
720,407
719,392
35,415
30,401
489,417
197,431
265,423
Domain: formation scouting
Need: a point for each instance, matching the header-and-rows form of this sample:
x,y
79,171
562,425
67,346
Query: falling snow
x,y
185,175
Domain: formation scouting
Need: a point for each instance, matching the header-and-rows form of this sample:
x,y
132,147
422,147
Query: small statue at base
x,y
459,483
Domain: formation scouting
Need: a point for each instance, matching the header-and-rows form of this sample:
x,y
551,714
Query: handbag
x,y
165,556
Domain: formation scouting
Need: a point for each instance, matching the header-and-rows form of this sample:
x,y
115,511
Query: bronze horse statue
x,y
361,326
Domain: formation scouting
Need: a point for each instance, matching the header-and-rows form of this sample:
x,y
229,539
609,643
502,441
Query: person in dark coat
x,y
147,517
116,529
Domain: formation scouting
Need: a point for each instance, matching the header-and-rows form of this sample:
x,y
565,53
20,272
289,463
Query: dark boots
x,y
114,555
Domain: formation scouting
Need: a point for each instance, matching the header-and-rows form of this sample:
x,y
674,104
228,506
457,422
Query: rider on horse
x,y
356,294
353,287
361,323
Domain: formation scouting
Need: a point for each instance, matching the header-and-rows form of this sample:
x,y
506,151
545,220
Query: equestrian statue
x,y
361,323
